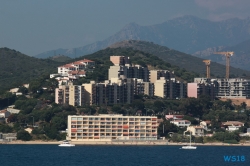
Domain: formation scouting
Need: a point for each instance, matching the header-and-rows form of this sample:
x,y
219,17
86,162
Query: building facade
x,y
75,66
119,60
157,74
234,88
181,123
70,94
203,86
128,71
146,88
196,130
107,127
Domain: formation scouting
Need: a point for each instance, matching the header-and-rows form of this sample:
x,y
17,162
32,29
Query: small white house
x,y
205,124
233,128
14,90
13,110
4,114
196,130
232,125
181,123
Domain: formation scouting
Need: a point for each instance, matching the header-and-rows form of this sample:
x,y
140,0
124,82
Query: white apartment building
x,y
161,87
70,94
142,87
234,88
181,123
107,127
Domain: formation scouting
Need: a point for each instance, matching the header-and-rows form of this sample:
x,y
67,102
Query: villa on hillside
x,y
232,125
4,113
75,66
205,124
181,123
174,117
196,130
73,71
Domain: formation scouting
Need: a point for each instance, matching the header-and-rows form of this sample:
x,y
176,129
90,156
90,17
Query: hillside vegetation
x,y
137,57
180,59
17,68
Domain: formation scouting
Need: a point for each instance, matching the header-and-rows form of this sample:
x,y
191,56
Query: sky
x,y
33,26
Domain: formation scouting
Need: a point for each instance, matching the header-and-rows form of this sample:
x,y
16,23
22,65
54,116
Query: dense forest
x,y
17,69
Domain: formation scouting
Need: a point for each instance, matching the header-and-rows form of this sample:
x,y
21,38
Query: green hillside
x,y
17,68
136,57
180,59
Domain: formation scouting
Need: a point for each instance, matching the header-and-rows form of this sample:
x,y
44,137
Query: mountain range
x,y
187,34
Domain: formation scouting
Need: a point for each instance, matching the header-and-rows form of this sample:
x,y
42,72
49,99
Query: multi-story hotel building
x,y
170,89
107,127
129,71
70,94
112,91
234,88
119,60
157,74
146,88
90,93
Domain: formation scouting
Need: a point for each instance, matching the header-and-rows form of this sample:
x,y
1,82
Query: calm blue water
x,y
52,155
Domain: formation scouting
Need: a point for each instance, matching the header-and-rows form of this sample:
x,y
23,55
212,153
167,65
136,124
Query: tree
x,y
47,116
117,109
59,123
138,104
37,131
51,132
168,127
24,135
12,118
5,128
191,119
23,90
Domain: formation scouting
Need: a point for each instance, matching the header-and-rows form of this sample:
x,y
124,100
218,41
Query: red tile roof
x,y
3,111
87,60
229,123
180,121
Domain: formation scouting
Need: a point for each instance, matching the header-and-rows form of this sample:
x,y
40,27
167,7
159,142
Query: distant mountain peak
x,y
187,33
132,24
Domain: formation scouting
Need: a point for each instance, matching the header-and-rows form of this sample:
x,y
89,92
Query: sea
x,y
119,155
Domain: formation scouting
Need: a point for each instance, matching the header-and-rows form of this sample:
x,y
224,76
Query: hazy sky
x,y
33,26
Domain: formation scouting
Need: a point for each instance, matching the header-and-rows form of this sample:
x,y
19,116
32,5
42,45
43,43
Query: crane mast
x,y
207,62
227,55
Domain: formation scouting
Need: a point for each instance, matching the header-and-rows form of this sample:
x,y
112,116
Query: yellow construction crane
x,y
227,55
207,62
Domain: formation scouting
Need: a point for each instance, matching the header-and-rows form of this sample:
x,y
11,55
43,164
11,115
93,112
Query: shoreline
x,y
121,143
